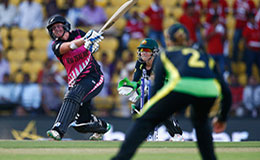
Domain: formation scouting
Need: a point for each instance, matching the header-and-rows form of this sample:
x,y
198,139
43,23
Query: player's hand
x,y
93,36
135,96
126,87
218,126
92,40
92,47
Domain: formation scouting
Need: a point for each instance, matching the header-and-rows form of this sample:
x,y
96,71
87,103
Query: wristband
x,y
73,46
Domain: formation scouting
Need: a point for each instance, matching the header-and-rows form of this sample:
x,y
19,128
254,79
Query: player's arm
x,y
159,76
136,93
90,41
219,122
138,71
68,46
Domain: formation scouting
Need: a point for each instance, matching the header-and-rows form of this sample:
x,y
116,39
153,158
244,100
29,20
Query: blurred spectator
x,y
222,10
92,15
198,5
1,45
199,12
73,13
29,97
134,29
155,13
50,52
7,14
215,38
50,68
251,97
30,15
7,94
51,100
251,34
4,65
257,17
241,8
107,69
223,4
127,70
129,66
51,8
217,7
237,92
191,20
47,70
105,101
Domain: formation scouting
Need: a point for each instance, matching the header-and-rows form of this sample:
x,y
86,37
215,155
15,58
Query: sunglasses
x,y
145,50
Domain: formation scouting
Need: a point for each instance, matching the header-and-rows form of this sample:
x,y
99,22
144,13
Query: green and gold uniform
x,y
171,124
193,80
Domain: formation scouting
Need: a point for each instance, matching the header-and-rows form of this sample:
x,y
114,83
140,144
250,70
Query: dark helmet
x,y
57,19
177,28
148,43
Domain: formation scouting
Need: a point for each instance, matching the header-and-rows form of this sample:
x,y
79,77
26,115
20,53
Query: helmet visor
x,y
145,50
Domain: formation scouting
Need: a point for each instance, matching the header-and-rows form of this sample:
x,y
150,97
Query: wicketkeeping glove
x,y
135,96
126,87
92,39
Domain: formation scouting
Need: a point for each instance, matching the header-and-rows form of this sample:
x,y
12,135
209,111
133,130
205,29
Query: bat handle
x,y
101,31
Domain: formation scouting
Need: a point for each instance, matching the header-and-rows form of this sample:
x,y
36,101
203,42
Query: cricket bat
x,y
121,11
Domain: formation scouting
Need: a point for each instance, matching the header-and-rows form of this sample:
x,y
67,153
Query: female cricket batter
x,y
74,50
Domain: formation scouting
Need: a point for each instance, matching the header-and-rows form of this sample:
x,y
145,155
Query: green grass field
x,y
104,150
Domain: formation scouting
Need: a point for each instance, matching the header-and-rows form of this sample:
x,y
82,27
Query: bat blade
x,y
121,11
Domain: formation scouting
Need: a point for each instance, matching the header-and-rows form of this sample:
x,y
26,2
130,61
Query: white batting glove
x,y
135,96
92,39
93,36
92,47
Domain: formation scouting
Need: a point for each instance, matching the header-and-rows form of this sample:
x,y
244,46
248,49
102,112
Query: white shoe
x,y
177,138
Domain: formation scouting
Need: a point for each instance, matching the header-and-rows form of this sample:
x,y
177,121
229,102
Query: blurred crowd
x,y
228,30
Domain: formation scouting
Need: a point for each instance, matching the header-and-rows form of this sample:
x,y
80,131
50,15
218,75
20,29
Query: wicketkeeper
x,y
147,52
74,50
